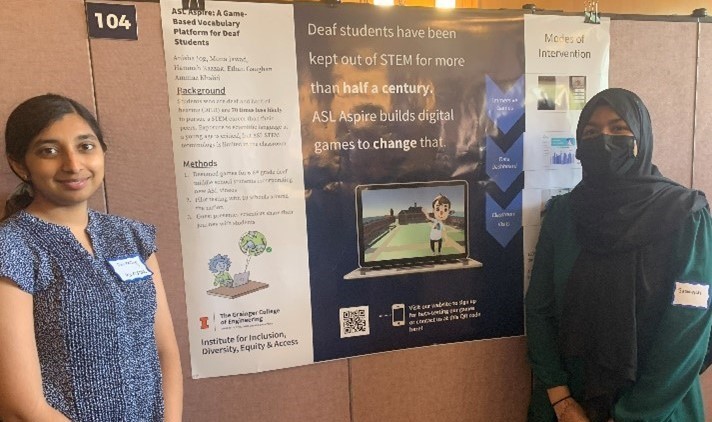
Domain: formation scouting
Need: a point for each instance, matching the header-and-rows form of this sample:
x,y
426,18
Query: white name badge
x,y
691,294
130,269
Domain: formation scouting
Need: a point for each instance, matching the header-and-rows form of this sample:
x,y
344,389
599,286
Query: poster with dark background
x,y
411,97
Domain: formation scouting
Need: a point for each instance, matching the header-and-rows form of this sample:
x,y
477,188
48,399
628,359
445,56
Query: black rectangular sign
x,y
116,21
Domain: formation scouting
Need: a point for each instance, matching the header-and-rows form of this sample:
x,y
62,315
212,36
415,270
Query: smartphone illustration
x,y
398,314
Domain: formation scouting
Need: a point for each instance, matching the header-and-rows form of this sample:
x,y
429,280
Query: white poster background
x,y
566,62
236,133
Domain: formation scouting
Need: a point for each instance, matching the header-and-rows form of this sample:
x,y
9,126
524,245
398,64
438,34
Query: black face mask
x,y
606,156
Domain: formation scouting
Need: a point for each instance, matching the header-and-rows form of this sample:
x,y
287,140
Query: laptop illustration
x,y
408,228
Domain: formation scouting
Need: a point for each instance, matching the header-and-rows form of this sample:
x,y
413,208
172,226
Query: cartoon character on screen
x,y
219,266
441,212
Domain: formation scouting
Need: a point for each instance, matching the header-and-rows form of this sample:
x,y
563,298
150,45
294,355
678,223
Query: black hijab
x,y
621,281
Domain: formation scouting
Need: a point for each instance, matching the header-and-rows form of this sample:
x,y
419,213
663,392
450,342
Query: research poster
x,y
566,64
350,178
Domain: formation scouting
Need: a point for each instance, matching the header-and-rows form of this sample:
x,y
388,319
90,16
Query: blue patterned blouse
x,y
94,332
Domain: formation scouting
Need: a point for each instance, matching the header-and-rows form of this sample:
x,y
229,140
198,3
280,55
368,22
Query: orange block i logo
x,y
204,323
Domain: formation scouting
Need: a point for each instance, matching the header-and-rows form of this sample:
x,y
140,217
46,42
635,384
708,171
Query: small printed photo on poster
x,y
407,228
577,90
546,93
561,93
559,149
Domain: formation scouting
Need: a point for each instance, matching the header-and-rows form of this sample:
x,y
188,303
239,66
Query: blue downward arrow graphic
x,y
503,223
504,167
505,108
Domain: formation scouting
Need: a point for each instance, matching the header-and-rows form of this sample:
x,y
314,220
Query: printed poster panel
x,y
412,124
350,179
566,64
237,146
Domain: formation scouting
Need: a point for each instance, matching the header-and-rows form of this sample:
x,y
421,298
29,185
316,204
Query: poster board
x,y
318,155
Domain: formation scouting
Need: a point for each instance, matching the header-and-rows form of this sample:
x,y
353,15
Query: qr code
x,y
354,321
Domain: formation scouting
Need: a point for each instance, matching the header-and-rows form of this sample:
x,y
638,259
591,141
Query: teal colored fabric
x,y
667,385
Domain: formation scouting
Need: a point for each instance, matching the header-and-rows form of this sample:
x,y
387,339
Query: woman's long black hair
x,y
25,122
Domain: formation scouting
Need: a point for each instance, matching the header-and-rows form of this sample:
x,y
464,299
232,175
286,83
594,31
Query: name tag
x,y
130,269
691,294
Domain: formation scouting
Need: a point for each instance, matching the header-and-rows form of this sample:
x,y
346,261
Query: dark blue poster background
x,y
451,81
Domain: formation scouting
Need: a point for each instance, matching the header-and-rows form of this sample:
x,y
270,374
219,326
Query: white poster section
x,y
566,63
236,133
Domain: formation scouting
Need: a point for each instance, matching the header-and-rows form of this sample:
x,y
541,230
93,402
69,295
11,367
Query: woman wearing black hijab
x,y
618,310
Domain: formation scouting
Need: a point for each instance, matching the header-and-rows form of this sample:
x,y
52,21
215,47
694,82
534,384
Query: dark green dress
x,y
667,386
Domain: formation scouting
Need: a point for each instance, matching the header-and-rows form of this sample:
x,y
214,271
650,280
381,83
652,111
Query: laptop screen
x,y
412,223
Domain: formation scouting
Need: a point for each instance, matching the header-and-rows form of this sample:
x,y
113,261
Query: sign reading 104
x,y
116,21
